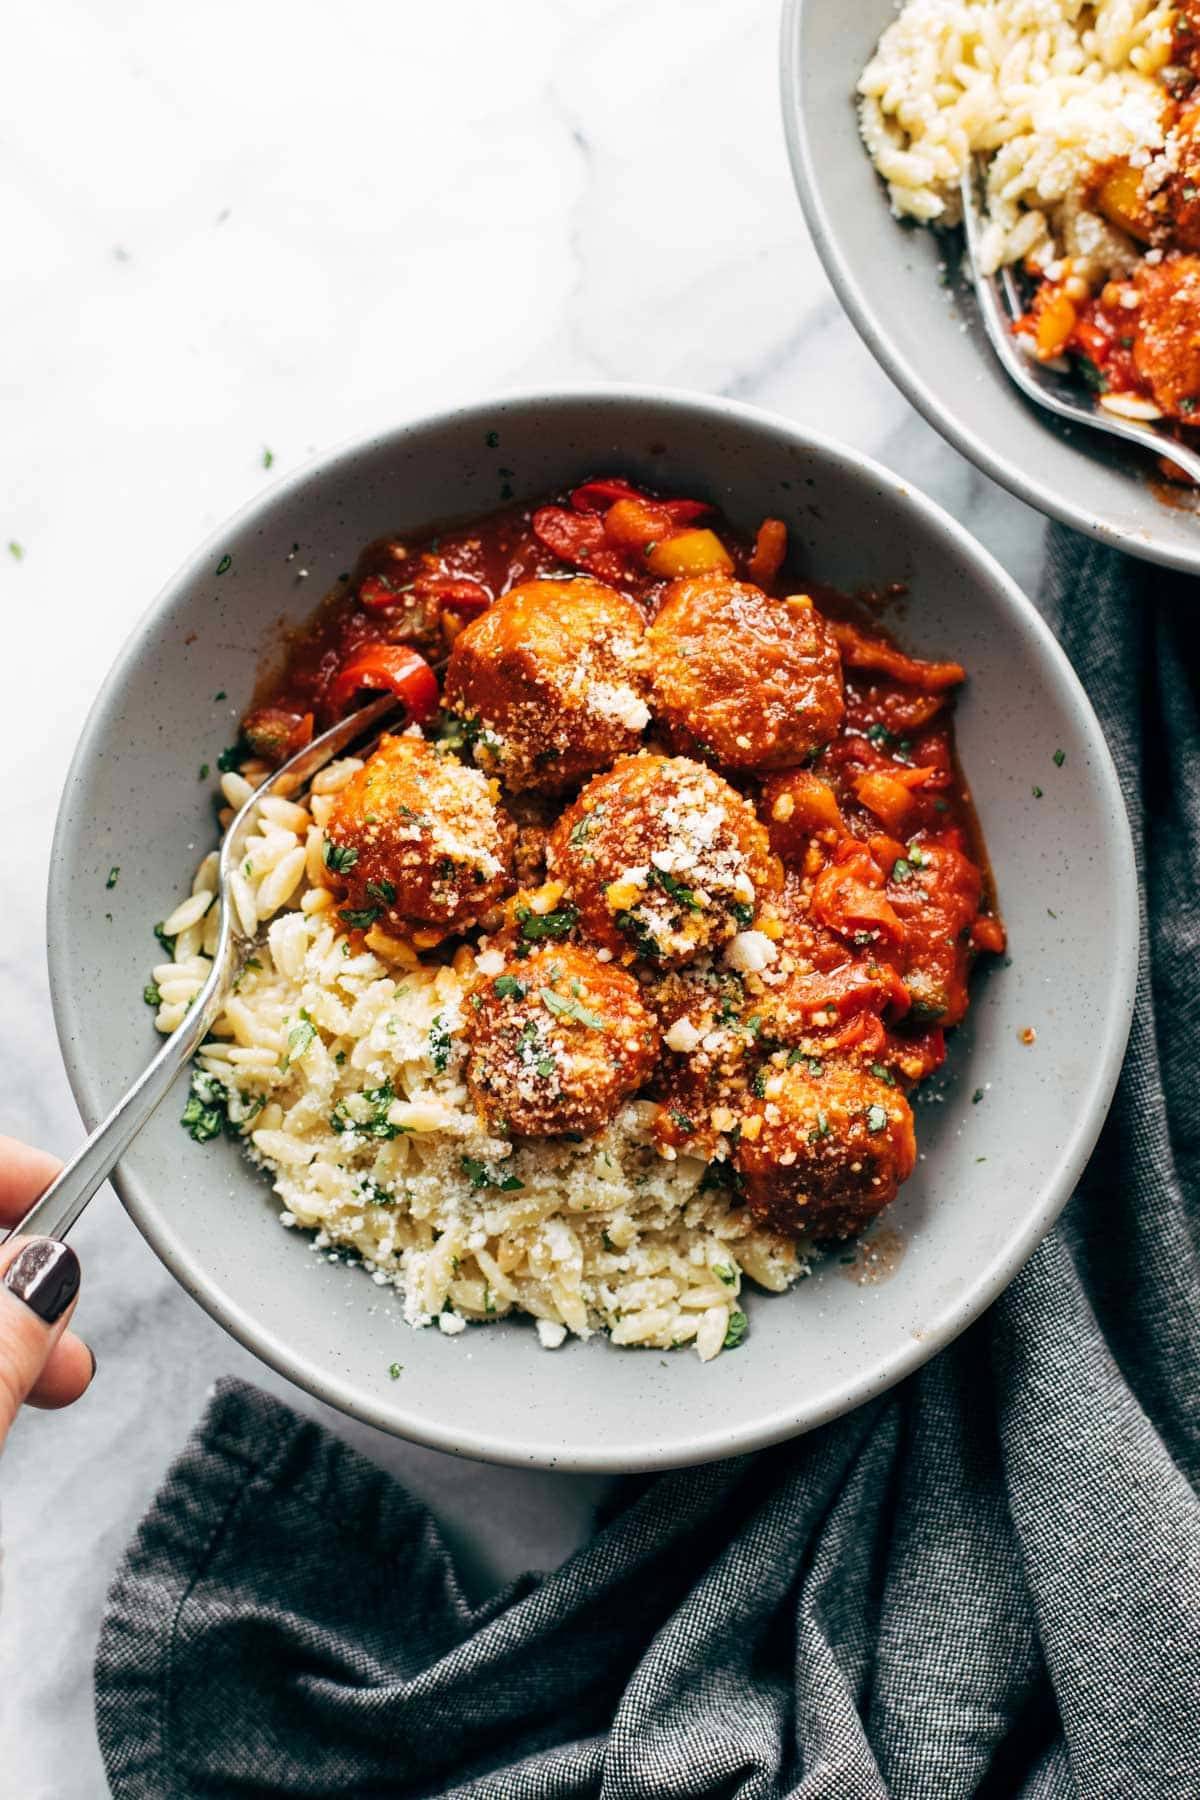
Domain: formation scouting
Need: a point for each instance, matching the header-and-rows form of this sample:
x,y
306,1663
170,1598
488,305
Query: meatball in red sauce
x,y
549,682
750,682
823,1154
415,838
556,1043
663,859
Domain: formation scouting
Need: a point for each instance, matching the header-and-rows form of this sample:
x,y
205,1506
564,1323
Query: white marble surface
x,y
233,227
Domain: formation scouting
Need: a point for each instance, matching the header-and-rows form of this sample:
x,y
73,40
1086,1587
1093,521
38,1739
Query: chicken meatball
x,y
549,682
821,1154
556,1043
662,859
416,839
753,682
1166,344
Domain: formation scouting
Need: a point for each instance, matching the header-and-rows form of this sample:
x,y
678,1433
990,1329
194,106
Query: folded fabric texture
x,y
987,1582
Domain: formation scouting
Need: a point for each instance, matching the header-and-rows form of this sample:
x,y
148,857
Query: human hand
x,y
41,1361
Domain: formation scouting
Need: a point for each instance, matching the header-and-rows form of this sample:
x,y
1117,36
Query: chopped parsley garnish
x,y
509,988
231,757
202,772
268,457
736,1330
670,885
639,933
225,564
571,1009
1090,375
395,1370
480,1177
220,694
376,1123
682,1122
882,1073
813,1063
299,1038
151,995
880,736
15,550
340,1059
339,857
491,439
204,1114
358,918
820,1129
877,1118
383,891
251,962
168,943
583,828
1060,757
537,928
977,1096
1037,792
759,1084
439,1043
743,912
725,1272
901,869
113,875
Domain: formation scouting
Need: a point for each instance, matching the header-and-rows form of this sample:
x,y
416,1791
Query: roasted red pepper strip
x,y
375,593
862,652
770,548
395,669
275,734
458,593
579,538
598,496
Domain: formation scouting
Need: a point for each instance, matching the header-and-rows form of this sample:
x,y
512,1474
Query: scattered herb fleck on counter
x,y
225,564
113,874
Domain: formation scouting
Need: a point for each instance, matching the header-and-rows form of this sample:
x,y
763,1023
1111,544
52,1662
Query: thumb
x,y
37,1294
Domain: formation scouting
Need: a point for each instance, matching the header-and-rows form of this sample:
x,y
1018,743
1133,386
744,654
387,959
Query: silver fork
x,y
56,1210
1058,390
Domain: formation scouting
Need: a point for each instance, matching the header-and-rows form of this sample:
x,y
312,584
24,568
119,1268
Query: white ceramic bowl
x,y
992,1176
896,282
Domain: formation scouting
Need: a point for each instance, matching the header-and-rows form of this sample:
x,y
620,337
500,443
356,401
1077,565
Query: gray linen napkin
x,y
985,1583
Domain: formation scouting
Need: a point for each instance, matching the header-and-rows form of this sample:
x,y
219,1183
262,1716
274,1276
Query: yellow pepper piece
x,y
698,552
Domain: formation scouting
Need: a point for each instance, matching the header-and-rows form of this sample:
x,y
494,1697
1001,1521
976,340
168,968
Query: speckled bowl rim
x,y
727,1439
874,335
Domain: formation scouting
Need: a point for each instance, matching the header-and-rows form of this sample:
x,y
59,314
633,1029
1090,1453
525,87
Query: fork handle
x,y
57,1208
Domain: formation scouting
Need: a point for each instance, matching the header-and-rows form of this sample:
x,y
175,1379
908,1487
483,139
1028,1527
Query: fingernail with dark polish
x,y
46,1277
92,1354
